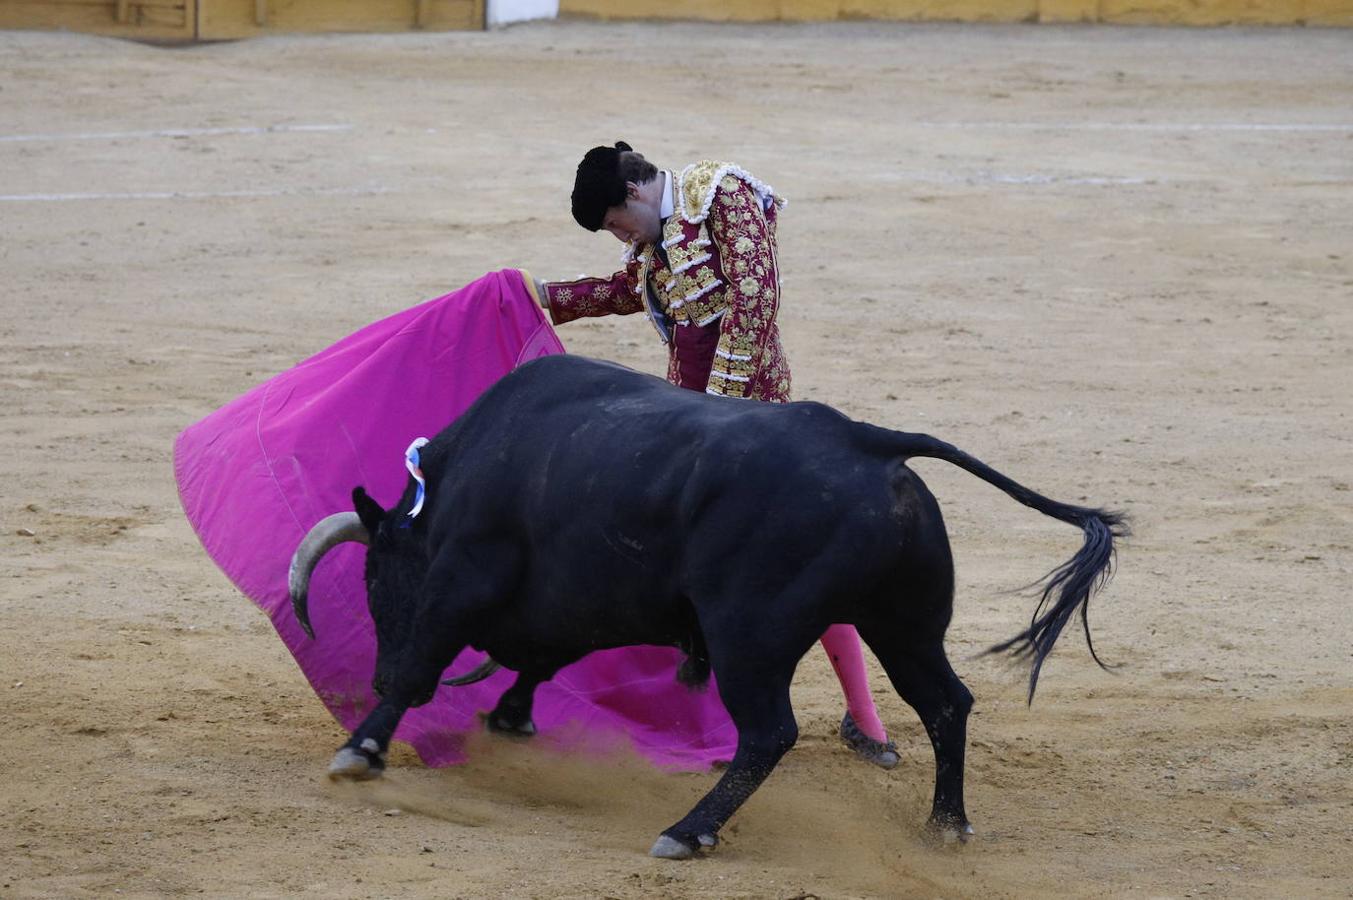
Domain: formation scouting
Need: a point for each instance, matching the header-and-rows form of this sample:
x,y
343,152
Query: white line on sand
x,y
1031,178
172,133
194,195
1335,127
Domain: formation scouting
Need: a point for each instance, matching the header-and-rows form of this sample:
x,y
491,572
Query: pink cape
x,y
255,475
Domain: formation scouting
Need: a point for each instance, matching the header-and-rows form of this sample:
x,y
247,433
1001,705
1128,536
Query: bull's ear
x,y
368,510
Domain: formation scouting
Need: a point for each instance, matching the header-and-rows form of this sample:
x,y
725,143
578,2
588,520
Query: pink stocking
x,y
842,644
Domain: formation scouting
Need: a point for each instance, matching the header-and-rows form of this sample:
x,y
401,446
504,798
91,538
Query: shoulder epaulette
x,y
700,180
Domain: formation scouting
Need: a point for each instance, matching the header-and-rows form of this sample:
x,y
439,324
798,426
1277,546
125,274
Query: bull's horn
x,y
480,672
327,534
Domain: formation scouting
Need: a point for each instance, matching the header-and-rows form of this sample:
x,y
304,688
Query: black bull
x,y
578,506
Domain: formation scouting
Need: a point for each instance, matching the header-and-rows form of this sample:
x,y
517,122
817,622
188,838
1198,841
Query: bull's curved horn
x,y
327,534
479,673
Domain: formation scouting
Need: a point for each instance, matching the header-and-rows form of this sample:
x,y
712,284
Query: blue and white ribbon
x,y
411,462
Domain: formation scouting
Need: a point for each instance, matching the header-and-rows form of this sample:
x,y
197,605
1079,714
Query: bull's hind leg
x,y
921,674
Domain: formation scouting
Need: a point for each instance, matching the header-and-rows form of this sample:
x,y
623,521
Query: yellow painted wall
x,y
1126,12
1218,12
804,10
943,10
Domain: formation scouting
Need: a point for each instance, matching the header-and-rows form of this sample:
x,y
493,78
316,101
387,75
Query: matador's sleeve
x,y
569,300
737,224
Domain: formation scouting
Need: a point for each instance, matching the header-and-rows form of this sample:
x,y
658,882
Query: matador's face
x,y
638,219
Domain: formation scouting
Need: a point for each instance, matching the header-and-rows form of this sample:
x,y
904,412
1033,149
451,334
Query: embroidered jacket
x,y
714,298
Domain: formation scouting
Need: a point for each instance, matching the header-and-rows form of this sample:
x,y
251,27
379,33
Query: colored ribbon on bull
x,y
412,463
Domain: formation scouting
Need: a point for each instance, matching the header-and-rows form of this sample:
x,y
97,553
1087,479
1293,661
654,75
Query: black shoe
x,y
880,754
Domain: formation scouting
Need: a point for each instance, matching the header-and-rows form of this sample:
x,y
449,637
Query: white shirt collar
x,y
667,207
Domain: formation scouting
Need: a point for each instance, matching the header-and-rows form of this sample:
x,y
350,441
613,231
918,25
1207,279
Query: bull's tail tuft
x,y
1068,588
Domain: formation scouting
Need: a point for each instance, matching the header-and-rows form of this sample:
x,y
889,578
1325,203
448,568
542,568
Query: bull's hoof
x,y
881,754
667,847
354,765
949,833
496,725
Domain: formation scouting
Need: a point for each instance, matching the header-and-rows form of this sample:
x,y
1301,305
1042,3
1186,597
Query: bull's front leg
x,y
512,715
363,756
414,683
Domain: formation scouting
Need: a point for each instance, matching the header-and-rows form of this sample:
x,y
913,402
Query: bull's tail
x,y
1066,588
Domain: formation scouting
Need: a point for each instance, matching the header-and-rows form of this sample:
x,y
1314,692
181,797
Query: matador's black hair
x,y
600,183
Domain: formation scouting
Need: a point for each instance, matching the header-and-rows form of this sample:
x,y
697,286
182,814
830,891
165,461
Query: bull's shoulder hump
x,y
573,367
550,379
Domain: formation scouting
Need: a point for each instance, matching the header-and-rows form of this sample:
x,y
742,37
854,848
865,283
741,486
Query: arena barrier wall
x,y
158,20
1124,12
189,20
219,19
209,20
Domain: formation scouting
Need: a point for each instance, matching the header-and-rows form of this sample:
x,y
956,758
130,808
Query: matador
x,y
700,263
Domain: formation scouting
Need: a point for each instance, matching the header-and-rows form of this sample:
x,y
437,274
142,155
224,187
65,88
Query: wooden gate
x,y
219,19
152,20
210,20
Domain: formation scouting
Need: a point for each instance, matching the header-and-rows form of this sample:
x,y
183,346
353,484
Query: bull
x,y
578,506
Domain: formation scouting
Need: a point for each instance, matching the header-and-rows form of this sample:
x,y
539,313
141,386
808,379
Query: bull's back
x,y
624,484
577,433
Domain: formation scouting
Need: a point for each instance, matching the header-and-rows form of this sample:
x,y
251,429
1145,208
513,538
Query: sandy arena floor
x,y
1114,262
